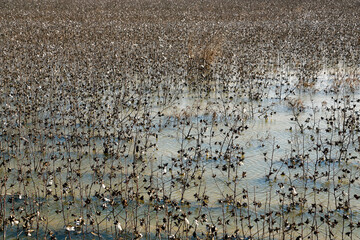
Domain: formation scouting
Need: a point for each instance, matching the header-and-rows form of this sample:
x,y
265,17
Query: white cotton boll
x,y
118,226
70,228
196,222
50,183
78,222
293,191
187,221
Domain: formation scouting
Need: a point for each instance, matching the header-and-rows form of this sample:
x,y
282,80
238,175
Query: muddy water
x,y
269,139
271,132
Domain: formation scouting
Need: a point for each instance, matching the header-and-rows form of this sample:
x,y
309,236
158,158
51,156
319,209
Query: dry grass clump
x,y
202,56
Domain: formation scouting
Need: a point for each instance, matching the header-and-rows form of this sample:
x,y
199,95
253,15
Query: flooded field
x,y
179,119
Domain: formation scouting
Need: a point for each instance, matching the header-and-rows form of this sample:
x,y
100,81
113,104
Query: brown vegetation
x,y
91,90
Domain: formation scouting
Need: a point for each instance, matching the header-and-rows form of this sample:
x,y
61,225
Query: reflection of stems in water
x,y
248,212
271,171
256,214
187,136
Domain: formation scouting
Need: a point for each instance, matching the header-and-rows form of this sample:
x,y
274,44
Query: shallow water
x,y
199,125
